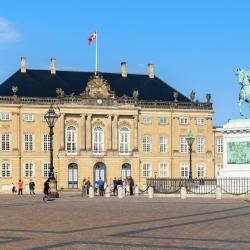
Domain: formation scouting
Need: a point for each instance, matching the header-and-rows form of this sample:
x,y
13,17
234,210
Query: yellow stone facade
x,y
103,110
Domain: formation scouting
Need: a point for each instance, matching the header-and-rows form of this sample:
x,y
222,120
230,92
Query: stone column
x,y
115,130
109,132
135,133
88,133
83,132
62,132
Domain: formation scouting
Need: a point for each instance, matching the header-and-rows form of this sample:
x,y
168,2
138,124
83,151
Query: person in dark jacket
x,y
131,185
115,186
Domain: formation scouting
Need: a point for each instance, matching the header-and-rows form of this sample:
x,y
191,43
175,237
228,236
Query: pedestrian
x,y
13,189
46,190
32,187
96,187
83,185
20,187
115,186
131,185
101,186
88,185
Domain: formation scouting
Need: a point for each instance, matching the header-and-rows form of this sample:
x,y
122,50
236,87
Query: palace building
x,y
109,125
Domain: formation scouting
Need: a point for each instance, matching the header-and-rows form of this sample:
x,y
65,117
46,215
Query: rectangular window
x,y
146,144
5,116
46,169
5,142
146,170
146,120
183,144
28,142
219,145
201,170
183,120
163,144
46,142
200,121
200,144
163,170
6,170
184,171
218,168
28,170
28,117
163,120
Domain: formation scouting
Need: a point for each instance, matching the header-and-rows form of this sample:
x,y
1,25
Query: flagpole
x,y
96,54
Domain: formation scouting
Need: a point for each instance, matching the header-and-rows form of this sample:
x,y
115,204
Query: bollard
x,y
123,192
91,192
150,192
183,193
218,193
120,192
136,190
107,192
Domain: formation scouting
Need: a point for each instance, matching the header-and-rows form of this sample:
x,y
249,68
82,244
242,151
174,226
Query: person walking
x,y
20,187
32,187
88,185
115,186
46,191
13,189
83,185
131,185
101,186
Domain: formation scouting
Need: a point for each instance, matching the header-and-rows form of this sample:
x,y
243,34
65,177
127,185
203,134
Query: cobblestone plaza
x,y
131,223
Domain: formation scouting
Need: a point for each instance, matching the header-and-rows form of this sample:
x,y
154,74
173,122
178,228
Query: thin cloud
x,y
7,32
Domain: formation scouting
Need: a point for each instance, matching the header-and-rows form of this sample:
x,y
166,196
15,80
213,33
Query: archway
x,y
99,171
73,175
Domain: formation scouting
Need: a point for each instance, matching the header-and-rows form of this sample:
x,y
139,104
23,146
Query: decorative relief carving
x,y
123,123
98,122
97,87
71,122
5,127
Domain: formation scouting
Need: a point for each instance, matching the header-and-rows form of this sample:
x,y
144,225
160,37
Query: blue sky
x,y
195,45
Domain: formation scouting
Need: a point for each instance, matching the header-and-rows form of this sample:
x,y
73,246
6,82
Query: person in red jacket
x,y
20,187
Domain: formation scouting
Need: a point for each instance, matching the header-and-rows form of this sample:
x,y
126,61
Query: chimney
x,y
53,66
23,64
124,69
151,73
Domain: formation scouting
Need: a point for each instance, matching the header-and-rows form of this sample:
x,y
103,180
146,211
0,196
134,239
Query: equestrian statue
x,y
244,80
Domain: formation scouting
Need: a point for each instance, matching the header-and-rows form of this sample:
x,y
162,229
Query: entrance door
x,y
99,171
126,170
73,176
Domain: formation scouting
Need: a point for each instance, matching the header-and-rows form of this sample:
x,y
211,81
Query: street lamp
x,y
190,139
51,117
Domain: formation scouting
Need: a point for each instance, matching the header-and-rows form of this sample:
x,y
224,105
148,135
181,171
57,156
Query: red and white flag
x,y
91,38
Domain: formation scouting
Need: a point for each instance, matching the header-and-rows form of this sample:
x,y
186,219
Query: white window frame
x,y
5,142
163,170
29,170
201,170
28,117
124,140
29,142
163,120
184,121
6,170
98,140
200,144
219,144
71,139
46,142
146,120
184,170
146,143
183,144
146,169
45,169
5,116
163,144
200,121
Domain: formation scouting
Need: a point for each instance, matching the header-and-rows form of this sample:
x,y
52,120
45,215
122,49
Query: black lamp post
x,y
190,139
51,118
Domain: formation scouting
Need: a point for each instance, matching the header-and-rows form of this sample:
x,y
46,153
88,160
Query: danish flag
x,y
91,38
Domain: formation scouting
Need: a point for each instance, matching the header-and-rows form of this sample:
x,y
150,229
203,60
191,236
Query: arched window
x,y
124,140
71,139
98,140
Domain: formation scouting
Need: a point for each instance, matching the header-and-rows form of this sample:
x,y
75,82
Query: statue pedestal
x,y
236,149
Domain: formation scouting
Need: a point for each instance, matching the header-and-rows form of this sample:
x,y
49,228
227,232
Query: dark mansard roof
x,y
41,83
